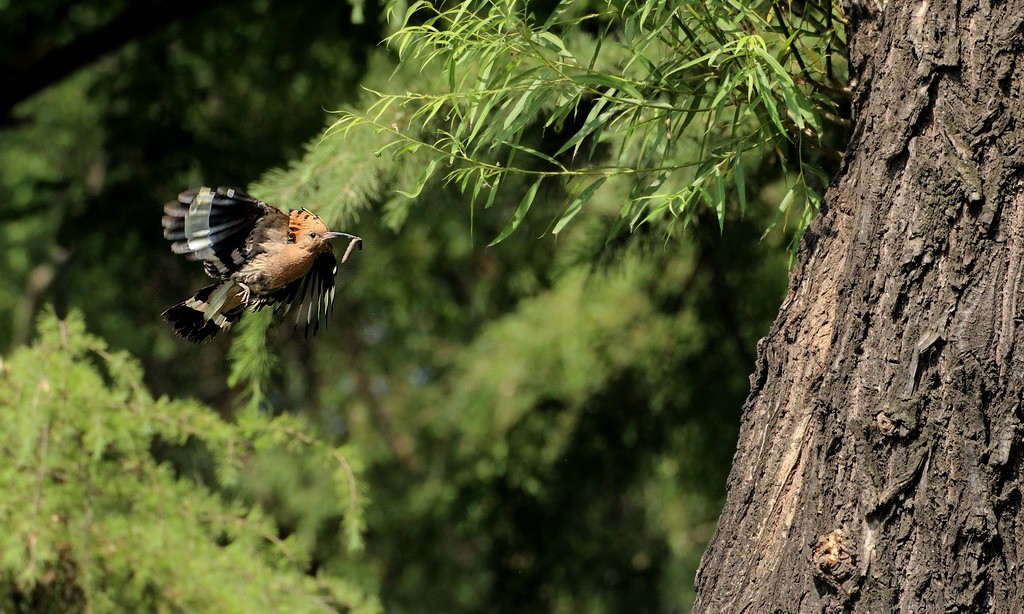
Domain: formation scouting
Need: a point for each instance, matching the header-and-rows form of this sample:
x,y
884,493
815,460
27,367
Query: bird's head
x,y
308,231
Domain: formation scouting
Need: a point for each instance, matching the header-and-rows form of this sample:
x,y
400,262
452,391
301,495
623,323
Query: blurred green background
x,y
542,425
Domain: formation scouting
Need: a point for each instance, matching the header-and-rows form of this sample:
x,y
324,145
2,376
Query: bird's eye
x,y
312,235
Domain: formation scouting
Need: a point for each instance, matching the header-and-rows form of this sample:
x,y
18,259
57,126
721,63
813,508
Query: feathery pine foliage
x,y
678,96
340,178
93,523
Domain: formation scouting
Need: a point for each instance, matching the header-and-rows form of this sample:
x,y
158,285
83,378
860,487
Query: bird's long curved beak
x,y
352,238
335,235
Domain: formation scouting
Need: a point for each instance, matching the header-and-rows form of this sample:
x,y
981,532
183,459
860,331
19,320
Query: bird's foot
x,y
245,292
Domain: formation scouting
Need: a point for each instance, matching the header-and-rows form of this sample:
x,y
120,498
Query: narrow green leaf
x,y
741,184
766,97
784,206
564,107
688,116
537,154
720,200
408,147
524,206
453,64
554,43
479,119
577,204
427,172
593,121
426,114
557,13
807,110
789,96
477,185
777,68
494,192
520,105
724,89
609,81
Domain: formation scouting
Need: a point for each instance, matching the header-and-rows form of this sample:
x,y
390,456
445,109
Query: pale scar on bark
x,y
834,563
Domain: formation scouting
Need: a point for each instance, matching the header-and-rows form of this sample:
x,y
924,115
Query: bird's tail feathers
x,y
198,318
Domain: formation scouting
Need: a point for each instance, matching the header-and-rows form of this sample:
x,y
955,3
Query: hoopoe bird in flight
x,y
260,256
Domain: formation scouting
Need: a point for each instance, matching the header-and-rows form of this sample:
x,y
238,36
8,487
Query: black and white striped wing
x,y
311,296
217,226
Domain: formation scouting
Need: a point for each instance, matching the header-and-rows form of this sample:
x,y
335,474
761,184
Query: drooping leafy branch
x,y
671,95
674,106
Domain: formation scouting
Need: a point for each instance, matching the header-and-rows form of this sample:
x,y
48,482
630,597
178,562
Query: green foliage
x,y
541,425
93,522
673,95
37,158
251,360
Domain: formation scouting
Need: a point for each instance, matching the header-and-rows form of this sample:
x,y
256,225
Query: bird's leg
x,y
245,292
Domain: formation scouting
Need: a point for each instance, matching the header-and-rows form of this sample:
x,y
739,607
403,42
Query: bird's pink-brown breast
x,y
275,269
283,259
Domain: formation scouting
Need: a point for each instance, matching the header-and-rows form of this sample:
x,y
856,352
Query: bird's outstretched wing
x,y
221,227
311,296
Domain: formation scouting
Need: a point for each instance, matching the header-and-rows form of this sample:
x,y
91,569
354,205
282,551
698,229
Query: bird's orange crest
x,y
300,220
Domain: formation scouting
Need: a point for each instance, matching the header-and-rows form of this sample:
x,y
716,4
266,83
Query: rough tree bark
x,y
879,460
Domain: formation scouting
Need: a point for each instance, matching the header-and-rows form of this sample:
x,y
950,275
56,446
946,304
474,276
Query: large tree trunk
x,y
880,452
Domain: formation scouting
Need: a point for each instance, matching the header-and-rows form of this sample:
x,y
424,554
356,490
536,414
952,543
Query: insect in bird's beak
x,y
353,241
